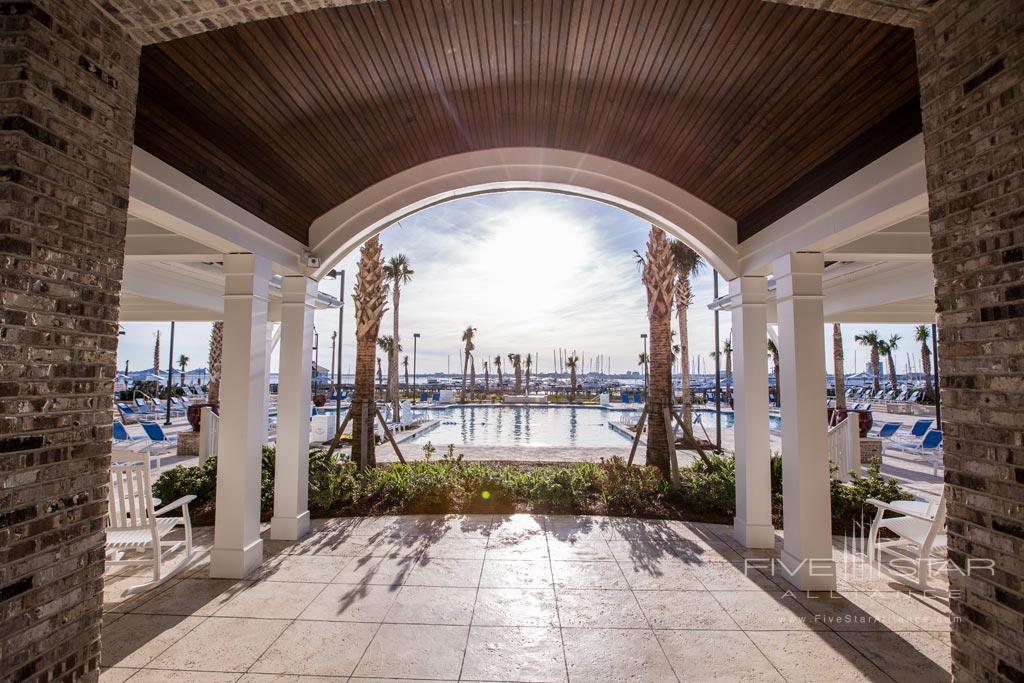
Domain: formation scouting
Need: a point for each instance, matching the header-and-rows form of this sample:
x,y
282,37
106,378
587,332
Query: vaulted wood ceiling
x,y
752,106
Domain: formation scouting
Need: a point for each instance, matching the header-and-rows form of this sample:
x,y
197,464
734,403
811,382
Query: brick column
x,y
971,63
69,80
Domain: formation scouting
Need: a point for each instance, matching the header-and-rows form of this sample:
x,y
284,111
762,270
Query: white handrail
x,y
209,422
843,446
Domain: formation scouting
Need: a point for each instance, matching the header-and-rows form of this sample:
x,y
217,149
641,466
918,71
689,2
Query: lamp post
x,y
340,275
643,335
170,376
415,380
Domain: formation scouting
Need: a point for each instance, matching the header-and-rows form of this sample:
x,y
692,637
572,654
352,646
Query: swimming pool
x,y
522,426
539,426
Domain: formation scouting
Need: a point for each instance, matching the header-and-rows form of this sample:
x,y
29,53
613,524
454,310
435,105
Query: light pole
x,y
170,376
415,380
341,321
643,335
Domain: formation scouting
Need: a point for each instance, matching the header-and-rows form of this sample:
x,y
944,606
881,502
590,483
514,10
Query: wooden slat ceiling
x,y
748,105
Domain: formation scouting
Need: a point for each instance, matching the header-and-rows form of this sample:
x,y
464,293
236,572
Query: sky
x,y
531,271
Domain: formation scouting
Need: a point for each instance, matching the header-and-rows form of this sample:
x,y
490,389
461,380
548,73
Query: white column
x,y
291,476
237,547
752,525
807,512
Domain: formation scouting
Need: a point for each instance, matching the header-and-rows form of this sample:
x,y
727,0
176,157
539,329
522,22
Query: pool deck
x,y
519,598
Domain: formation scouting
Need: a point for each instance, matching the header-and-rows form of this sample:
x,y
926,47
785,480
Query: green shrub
x,y
449,485
849,499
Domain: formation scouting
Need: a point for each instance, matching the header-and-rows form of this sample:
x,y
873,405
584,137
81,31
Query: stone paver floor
x,y
518,598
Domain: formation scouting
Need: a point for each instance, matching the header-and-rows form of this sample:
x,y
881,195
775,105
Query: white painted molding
x,y
888,190
684,216
168,198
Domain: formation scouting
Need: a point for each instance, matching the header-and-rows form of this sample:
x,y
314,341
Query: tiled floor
x,y
518,598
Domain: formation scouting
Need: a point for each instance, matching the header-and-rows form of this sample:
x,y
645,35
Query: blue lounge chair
x,y
930,448
127,412
625,398
143,410
437,397
158,439
423,396
888,429
122,437
918,431
638,397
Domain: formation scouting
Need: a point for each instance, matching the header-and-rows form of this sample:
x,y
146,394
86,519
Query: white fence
x,y
843,446
209,423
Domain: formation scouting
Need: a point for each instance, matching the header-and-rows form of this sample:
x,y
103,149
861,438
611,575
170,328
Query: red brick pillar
x,y
69,80
971,61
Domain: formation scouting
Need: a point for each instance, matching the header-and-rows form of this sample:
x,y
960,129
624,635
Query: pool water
x,y
522,426
541,426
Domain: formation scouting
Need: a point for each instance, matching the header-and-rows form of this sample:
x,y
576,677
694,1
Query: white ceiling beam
x,y
166,197
167,247
885,246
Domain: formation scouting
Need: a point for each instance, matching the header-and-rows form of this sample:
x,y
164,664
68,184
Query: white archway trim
x,y
705,229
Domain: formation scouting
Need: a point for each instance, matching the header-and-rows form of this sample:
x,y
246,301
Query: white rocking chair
x,y
919,525
136,528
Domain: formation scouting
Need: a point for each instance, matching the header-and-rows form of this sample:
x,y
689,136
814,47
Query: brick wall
x,y
68,77
154,21
971,62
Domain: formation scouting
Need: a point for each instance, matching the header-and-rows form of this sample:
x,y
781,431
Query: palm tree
x,y
517,365
405,366
183,362
216,353
889,348
839,366
529,364
497,367
874,343
773,351
467,337
397,273
658,276
386,344
688,264
156,355
570,363
380,376
727,350
922,334
487,379
371,299
472,377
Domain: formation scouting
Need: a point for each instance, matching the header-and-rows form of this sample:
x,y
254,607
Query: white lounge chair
x,y
918,526
135,528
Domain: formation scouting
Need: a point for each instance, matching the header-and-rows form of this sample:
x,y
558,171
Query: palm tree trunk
x,y
876,369
366,359
684,357
499,380
465,374
519,378
838,366
572,381
658,279
370,297
393,356
891,364
216,353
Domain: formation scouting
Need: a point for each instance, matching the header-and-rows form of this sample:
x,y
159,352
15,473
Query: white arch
x,y
705,229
